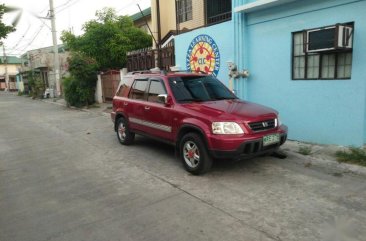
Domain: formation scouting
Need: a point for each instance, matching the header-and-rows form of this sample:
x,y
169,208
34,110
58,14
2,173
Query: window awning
x,y
260,5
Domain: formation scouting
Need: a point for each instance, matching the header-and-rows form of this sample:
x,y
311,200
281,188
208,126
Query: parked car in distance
x,y
197,114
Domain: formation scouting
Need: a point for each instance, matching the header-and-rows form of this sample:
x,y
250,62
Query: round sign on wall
x,y
203,55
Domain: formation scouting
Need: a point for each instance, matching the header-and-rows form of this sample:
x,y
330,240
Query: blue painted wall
x,y
222,35
320,111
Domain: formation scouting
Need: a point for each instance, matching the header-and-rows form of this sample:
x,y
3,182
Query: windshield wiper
x,y
224,98
191,99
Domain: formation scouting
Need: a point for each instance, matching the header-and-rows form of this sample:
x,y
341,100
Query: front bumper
x,y
245,148
249,149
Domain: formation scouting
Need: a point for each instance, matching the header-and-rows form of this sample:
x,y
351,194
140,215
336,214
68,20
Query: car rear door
x,y
137,101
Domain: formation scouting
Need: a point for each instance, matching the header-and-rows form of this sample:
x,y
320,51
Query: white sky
x,y
33,33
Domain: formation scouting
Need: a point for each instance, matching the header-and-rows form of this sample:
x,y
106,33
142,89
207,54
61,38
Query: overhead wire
x,y
129,5
20,39
16,49
35,36
67,2
48,7
126,6
67,6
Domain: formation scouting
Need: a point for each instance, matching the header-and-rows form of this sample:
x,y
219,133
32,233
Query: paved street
x,y
64,176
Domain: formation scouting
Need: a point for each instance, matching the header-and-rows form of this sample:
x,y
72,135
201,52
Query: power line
x,y
35,36
66,7
22,48
126,6
67,2
16,45
59,6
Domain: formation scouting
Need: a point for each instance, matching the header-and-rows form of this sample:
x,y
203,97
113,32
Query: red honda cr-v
x,y
197,114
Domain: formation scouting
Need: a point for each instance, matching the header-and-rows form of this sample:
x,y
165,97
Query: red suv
x,y
197,114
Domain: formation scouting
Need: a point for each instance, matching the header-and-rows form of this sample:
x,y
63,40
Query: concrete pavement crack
x,y
268,235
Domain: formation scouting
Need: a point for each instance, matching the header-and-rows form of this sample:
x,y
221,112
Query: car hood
x,y
230,110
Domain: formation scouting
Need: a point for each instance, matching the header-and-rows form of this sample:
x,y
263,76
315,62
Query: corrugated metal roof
x,y
10,60
138,16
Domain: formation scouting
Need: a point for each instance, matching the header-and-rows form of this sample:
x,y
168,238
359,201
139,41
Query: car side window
x,y
156,88
124,87
138,89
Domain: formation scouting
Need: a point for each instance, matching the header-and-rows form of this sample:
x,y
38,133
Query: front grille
x,y
263,125
252,147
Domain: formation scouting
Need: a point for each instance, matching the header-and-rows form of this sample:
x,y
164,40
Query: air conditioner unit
x,y
329,38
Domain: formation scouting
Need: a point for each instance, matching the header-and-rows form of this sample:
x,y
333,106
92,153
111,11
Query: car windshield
x,y
199,88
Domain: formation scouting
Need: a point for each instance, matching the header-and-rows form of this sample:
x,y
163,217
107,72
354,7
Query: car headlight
x,y
226,128
279,123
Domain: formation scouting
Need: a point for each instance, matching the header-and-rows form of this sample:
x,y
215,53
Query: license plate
x,y
271,139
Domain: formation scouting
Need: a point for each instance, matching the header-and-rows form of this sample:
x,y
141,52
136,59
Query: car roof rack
x,y
163,72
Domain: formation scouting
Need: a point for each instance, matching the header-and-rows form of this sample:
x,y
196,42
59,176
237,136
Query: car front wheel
x,y
194,155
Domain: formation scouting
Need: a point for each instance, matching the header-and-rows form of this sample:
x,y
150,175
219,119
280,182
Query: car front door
x,y
158,115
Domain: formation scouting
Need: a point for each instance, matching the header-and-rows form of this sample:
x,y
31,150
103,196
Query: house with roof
x,y
142,20
9,69
304,58
40,63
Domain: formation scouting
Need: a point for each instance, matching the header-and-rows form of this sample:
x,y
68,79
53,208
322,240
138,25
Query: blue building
x,y
307,59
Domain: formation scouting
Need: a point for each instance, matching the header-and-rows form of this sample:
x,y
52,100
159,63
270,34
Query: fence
x,y
148,58
110,81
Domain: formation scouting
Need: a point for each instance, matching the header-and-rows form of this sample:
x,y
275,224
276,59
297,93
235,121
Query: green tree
x,y
107,39
36,85
4,29
79,87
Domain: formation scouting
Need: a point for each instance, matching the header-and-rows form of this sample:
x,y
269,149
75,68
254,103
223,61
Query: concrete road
x,y
64,176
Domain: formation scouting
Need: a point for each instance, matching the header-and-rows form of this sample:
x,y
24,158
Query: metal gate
x,y
110,81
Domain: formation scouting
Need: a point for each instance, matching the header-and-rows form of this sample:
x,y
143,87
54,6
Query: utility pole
x,y
6,68
159,33
56,63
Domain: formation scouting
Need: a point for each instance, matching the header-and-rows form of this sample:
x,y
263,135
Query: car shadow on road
x,y
167,152
227,165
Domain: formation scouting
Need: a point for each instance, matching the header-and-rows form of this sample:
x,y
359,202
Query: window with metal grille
x,y
330,64
217,11
184,10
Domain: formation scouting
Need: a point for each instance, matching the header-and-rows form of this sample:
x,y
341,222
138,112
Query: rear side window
x,y
156,88
125,87
138,89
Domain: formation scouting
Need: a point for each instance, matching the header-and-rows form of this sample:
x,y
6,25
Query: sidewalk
x,y
322,156
101,108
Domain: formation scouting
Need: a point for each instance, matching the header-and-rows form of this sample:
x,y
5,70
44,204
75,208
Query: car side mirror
x,y
164,98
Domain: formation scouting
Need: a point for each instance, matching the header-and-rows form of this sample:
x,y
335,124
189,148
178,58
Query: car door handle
x,y
125,103
147,107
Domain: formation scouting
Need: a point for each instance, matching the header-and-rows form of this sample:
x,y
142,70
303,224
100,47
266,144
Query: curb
x,y
335,166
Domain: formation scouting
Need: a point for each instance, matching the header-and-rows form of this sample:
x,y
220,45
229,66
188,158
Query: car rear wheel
x,y
194,155
124,135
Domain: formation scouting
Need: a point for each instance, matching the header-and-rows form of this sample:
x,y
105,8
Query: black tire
x,y
194,155
124,135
